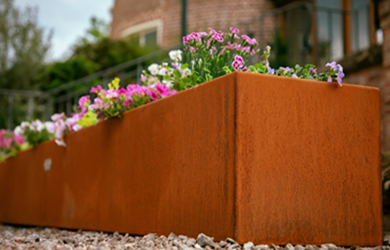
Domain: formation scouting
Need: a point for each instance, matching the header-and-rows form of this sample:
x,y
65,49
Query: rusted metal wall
x,y
257,158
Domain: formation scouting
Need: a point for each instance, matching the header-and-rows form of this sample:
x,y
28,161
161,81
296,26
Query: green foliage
x,y
35,137
280,47
107,53
23,47
58,73
93,52
89,119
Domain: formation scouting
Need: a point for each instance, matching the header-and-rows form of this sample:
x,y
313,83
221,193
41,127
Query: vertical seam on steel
x,y
235,200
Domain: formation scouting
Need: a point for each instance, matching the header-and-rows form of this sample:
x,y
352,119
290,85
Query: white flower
x,y
18,130
169,84
38,125
77,127
175,55
60,142
153,69
50,127
162,72
24,125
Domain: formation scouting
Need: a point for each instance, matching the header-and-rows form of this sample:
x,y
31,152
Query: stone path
x,y
51,238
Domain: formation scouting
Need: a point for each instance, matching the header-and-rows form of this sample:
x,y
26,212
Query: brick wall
x,y
201,14
379,76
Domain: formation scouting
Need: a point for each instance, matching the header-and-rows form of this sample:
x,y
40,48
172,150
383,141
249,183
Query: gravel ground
x,y
52,238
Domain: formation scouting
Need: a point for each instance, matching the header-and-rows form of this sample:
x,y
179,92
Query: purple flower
x,y
340,76
334,66
285,70
331,64
294,76
330,79
271,70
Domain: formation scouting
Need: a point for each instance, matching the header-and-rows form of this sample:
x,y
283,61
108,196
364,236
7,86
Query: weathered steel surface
x,y
256,158
167,166
308,162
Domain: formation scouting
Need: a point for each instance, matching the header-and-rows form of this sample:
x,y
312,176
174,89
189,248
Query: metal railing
x,y
41,105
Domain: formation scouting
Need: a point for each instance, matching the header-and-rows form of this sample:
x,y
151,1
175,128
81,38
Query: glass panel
x,y
330,39
360,28
151,39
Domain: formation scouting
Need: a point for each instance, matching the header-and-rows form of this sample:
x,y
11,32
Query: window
x,y
330,39
360,28
149,33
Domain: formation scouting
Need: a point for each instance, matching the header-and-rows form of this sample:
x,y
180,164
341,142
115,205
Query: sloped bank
x,y
259,158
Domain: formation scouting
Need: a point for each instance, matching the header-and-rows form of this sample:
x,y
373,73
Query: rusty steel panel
x,y
252,157
308,162
165,167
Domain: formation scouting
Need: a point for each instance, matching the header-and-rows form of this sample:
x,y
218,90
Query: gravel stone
x,y
54,239
204,240
249,246
172,236
329,247
231,241
262,247
223,243
190,242
234,246
151,236
184,247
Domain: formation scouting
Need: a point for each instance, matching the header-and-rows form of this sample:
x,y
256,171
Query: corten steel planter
x,y
257,158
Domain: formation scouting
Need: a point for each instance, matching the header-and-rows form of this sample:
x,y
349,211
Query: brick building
x,y
355,33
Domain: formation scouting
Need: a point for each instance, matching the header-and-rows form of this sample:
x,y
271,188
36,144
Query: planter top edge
x,y
347,85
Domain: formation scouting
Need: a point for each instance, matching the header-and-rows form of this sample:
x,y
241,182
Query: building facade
x,y
355,33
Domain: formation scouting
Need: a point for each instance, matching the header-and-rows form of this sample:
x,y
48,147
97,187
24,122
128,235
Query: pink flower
x,y
7,142
186,40
71,121
239,58
84,102
59,130
234,30
153,95
236,65
57,117
249,40
127,103
97,103
18,139
95,90
212,31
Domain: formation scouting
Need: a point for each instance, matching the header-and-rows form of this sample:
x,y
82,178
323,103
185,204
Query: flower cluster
x,y
205,56
309,71
35,132
336,73
111,102
9,143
